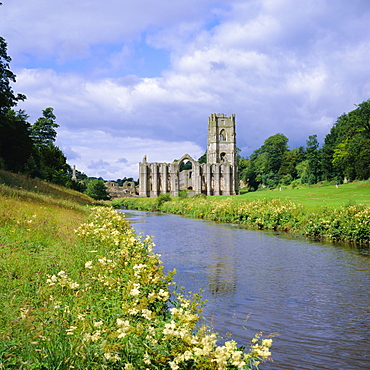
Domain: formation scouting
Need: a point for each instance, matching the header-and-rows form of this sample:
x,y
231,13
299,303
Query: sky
x,y
141,77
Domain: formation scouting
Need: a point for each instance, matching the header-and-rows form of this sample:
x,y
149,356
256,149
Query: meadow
x,y
318,212
80,290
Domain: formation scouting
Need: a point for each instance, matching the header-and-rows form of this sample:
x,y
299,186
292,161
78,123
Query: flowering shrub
x,y
118,312
350,224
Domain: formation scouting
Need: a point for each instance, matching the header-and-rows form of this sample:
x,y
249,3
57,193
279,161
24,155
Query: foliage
x,y
183,194
345,223
15,144
43,131
7,97
203,158
96,189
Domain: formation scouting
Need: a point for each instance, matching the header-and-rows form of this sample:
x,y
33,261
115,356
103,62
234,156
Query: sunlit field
x,y
318,196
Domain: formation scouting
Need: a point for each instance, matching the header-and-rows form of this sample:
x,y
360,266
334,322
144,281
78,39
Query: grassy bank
x,y
321,212
79,290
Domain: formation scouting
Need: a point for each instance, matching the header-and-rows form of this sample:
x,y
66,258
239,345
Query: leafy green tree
x,y
313,174
329,171
43,130
203,158
7,97
352,154
96,189
266,161
288,169
275,147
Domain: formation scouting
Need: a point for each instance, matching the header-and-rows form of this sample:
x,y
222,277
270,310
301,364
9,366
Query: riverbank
x,y
347,219
79,290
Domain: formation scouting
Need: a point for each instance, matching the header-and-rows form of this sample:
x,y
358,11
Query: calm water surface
x,y
314,295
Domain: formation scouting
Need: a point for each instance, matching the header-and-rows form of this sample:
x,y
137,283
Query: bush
x,y
97,190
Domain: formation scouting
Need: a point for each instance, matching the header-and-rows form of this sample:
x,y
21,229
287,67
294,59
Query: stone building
x,y
219,176
128,188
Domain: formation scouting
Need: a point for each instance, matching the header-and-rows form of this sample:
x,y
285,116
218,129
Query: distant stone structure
x,y
219,176
128,188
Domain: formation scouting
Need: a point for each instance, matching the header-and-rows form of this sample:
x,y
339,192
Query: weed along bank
x,y
80,289
219,176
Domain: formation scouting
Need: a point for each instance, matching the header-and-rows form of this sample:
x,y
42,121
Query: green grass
x,y
318,196
97,298
320,212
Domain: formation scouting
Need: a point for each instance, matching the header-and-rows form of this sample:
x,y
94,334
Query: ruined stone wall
x,y
217,177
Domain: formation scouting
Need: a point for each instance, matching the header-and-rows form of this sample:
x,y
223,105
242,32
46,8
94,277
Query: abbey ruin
x,y
216,177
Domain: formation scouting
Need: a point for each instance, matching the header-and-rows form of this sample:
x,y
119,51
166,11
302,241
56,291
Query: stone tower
x,y
221,139
219,176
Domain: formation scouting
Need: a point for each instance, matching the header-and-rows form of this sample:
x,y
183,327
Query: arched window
x,y
222,135
223,157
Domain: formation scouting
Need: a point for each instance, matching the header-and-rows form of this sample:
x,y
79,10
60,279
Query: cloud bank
x,y
140,77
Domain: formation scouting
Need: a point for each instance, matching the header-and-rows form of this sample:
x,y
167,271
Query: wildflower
x,y
173,365
135,290
147,314
51,281
73,285
108,356
147,359
71,330
123,327
95,336
88,265
98,324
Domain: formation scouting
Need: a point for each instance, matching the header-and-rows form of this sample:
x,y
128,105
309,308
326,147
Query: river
x,y
315,296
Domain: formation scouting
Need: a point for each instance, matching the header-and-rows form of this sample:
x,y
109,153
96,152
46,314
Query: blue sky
x,y
140,77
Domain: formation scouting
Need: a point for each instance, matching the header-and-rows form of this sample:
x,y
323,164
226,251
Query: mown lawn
x,y
316,197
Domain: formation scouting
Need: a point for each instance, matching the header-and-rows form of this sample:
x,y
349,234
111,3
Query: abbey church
x,y
219,176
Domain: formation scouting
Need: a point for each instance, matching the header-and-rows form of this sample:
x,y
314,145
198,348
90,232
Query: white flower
x,y
135,290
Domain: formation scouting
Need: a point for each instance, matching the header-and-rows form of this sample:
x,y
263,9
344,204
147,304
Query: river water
x,y
315,296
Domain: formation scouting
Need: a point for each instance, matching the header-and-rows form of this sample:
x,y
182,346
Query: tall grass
x,y
79,290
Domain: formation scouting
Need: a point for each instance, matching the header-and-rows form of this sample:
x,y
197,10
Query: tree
x,y
351,135
7,97
266,161
288,169
313,174
96,189
329,171
15,142
43,130
14,137
275,147
203,158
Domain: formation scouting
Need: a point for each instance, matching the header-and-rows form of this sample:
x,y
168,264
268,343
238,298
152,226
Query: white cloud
x,y
96,152
279,65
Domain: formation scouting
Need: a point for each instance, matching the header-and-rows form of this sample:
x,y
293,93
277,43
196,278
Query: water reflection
x,y
315,295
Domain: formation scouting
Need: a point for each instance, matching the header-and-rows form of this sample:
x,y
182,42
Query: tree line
x,y
344,156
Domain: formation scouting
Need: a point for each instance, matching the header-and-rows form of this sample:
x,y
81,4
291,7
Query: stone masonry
x,y
219,176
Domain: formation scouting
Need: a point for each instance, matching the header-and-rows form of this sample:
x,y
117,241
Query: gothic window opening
x,y
222,135
223,157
